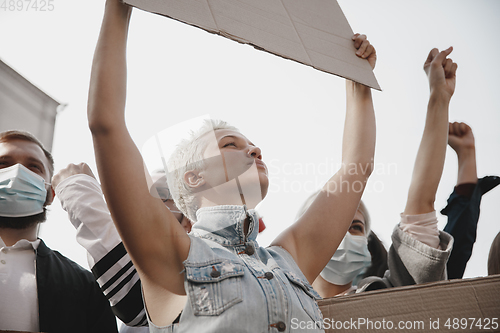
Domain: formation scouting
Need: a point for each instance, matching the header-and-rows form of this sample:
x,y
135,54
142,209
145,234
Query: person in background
x,y
40,289
494,256
419,251
464,203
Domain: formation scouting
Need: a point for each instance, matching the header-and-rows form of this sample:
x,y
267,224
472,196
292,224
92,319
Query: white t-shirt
x,y
18,291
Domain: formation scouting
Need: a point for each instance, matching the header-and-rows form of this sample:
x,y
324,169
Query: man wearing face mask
x,y
40,289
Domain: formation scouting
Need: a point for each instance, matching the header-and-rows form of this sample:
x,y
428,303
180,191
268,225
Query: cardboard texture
x,y
312,32
469,305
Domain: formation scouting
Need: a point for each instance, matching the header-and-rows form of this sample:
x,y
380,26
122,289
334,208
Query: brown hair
x,y
378,252
26,136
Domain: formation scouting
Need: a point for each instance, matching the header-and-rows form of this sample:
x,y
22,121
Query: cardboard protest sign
x,y
313,32
469,305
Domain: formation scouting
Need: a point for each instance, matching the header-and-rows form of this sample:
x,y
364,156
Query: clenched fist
x,y
70,170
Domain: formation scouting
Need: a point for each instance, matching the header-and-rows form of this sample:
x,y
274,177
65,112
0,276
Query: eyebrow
x,y
36,160
228,136
354,221
234,137
30,159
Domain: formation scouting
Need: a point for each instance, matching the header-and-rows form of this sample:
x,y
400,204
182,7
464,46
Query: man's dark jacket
x,y
69,299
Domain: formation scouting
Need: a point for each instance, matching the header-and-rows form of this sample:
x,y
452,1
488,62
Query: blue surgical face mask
x,y
351,257
22,192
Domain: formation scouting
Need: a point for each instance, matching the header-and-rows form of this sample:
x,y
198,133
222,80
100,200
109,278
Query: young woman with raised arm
x,y
233,284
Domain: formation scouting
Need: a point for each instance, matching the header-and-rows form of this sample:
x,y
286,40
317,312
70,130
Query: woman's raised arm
x,y
429,162
154,239
315,236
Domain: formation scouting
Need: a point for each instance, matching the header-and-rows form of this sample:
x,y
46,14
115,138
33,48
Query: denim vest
x,y
233,285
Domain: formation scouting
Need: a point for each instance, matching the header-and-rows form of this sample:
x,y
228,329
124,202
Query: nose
x,y
255,152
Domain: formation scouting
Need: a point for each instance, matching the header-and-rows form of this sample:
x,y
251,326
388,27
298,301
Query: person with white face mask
x,y
22,192
419,251
40,290
351,258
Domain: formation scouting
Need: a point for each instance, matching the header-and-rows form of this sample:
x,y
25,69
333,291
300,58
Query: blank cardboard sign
x,y
312,32
469,305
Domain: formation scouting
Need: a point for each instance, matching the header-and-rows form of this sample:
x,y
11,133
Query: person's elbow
x,y
366,168
359,169
100,122
99,128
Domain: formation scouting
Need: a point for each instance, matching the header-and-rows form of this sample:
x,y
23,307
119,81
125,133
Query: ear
x,y
51,194
194,179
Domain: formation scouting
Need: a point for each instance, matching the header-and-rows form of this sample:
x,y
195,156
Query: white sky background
x,y
293,112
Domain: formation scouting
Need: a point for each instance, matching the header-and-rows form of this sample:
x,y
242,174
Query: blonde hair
x,y
188,156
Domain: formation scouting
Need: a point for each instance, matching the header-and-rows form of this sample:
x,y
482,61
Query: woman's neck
x,y
229,193
327,289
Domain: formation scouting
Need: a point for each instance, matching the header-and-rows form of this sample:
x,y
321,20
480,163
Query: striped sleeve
x,y
81,197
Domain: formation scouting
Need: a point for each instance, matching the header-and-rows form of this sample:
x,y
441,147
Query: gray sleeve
x,y
412,262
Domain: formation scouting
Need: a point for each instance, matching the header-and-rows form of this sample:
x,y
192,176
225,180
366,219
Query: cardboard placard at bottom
x,y
469,305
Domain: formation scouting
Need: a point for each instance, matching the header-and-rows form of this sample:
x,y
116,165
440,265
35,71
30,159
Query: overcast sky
x,y
293,112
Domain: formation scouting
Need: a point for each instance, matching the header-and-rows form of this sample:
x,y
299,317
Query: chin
x,y
264,185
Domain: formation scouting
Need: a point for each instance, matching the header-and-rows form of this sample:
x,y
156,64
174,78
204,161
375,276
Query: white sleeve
x,y
81,197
